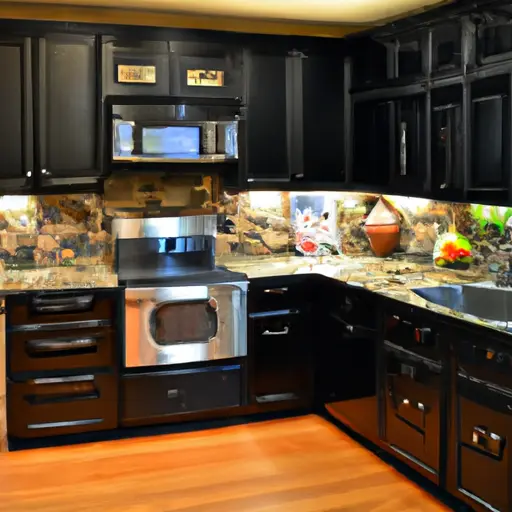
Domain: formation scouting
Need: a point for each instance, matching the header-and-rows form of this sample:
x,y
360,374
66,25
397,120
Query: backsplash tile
x,y
271,224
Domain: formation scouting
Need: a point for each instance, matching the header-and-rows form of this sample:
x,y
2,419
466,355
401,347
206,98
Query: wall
x,y
43,238
269,225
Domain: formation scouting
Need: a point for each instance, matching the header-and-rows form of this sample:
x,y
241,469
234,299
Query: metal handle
x,y
403,148
60,304
488,441
286,330
277,291
62,344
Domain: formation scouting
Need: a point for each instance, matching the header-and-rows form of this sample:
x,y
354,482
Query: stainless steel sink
x,y
492,304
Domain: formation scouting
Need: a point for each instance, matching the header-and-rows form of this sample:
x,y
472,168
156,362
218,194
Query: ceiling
x,y
316,11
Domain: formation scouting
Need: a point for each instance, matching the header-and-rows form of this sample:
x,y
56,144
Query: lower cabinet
x,y
281,368
413,398
484,432
61,405
147,398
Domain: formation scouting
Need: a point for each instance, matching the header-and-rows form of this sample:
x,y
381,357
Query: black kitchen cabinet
x,y
490,138
207,70
69,112
268,152
389,143
480,460
279,346
414,373
16,120
446,49
323,117
133,67
372,142
447,143
346,358
408,154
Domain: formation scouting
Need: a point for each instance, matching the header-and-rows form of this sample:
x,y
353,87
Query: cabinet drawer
x,y
59,307
58,350
484,432
61,405
262,300
150,396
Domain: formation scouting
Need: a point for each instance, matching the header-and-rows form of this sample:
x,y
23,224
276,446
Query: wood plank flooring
x,y
300,464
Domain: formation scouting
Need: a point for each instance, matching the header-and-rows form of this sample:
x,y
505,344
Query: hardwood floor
x,y
289,465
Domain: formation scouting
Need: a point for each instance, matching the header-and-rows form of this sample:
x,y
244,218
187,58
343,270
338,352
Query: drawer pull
x,y
61,380
488,441
172,393
49,347
62,424
62,304
276,291
61,397
280,312
285,331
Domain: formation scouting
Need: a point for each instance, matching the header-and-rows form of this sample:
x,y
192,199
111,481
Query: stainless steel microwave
x,y
175,133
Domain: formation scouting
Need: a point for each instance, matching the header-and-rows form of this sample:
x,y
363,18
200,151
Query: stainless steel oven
x,y
182,324
179,308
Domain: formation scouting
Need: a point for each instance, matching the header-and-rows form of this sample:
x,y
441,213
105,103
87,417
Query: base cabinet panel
x,y
149,396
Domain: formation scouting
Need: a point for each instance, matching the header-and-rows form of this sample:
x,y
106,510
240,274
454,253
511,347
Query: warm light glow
x,y
14,203
330,11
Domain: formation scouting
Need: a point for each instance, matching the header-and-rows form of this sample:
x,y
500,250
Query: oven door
x,y
174,325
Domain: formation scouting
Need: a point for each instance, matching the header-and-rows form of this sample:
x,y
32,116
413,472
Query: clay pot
x,y
383,239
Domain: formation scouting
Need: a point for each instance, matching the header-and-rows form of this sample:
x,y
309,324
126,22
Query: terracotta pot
x,y
383,239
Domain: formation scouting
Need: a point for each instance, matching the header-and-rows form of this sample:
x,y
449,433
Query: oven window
x,y
171,140
177,322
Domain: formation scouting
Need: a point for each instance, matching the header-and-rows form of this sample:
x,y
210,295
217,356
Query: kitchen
x,y
274,234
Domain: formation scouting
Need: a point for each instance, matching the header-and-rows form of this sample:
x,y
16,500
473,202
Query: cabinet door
x,y
413,395
267,141
135,68
206,70
373,129
281,367
322,89
409,143
16,129
490,138
447,142
484,432
68,109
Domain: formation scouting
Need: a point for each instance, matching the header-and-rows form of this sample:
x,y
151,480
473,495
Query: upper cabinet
x,y
269,81
172,68
295,120
139,68
68,110
16,121
207,70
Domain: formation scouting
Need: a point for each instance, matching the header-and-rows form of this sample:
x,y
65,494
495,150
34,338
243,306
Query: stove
x,y
179,307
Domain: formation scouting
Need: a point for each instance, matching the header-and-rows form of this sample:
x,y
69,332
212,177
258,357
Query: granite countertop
x,y
393,278
57,278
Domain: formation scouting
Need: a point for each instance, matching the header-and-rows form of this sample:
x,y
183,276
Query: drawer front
x,y
60,350
60,307
280,358
183,391
484,437
275,299
62,405
413,397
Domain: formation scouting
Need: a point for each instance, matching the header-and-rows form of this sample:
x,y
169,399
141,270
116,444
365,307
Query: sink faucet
x,y
504,277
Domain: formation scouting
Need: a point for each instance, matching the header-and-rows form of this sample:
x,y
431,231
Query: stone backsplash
x,y
74,231
270,224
